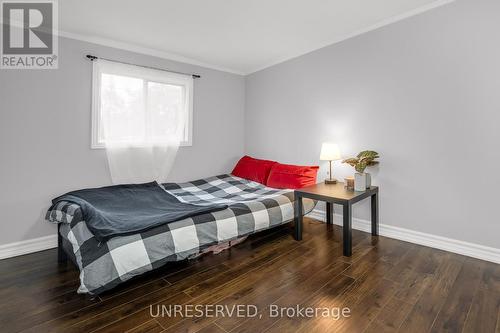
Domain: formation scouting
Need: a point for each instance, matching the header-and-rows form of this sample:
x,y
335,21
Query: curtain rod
x,y
93,58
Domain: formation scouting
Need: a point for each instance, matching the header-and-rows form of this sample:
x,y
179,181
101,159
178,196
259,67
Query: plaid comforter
x,y
251,207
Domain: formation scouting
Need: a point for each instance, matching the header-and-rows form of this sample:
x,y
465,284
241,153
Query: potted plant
x,y
366,158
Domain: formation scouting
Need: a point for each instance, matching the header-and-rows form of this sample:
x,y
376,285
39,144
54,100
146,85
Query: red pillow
x,y
292,176
253,169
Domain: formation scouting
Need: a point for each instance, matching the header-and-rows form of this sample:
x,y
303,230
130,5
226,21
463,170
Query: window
x,y
136,105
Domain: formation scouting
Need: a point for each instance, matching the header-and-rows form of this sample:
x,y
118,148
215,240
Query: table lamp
x,y
330,152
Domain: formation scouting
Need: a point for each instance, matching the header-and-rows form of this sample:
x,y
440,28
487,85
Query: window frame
x,y
169,78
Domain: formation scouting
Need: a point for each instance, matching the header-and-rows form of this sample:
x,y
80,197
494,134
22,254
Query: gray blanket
x,y
127,209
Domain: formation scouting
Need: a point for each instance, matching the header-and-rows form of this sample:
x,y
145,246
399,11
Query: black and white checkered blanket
x,y
251,207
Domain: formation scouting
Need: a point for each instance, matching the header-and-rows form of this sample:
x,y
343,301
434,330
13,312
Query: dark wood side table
x,y
337,194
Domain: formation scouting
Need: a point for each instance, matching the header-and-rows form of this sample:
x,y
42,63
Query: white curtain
x,y
141,164
142,116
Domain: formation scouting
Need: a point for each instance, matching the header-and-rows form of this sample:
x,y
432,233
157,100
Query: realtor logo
x,y
28,35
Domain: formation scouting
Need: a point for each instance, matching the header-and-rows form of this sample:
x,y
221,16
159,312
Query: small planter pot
x,y
368,180
359,181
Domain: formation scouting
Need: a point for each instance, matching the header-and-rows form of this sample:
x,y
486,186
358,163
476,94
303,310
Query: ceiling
x,y
240,36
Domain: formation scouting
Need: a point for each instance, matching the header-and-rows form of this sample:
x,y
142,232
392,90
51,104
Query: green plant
x,y
364,159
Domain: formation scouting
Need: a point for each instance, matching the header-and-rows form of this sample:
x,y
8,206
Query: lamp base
x,y
330,181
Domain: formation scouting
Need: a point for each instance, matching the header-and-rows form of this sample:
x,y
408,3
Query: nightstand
x,y
337,194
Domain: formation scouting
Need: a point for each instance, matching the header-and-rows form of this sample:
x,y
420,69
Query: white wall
x,y
45,133
424,92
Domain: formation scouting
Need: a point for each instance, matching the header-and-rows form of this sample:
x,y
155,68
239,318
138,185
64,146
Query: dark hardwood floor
x,y
388,285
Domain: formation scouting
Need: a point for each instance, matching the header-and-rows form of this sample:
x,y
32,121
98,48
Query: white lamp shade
x,y
330,152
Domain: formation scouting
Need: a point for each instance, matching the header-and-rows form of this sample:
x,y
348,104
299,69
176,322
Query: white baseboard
x,y
407,235
452,245
28,246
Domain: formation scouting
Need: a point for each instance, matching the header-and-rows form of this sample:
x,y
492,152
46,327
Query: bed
x,y
251,207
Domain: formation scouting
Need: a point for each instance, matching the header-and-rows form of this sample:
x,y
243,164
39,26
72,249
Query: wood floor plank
x,y
364,264
416,260
301,280
429,304
180,287
430,260
451,317
217,292
38,261
498,323
212,328
61,323
389,286
183,281
302,292
277,242
412,285
122,312
391,316
407,262
365,298
329,297
484,312
338,293
238,290
230,274
377,327
151,326
332,295
270,261
386,250
35,316
146,326
367,308
490,279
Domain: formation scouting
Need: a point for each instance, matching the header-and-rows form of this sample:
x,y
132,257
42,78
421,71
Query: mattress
x,y
252,207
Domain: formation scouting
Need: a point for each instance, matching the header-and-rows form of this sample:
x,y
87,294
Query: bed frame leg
x,y
61,255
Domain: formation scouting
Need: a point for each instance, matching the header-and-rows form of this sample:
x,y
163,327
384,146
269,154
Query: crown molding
x,y
177,57
144,50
